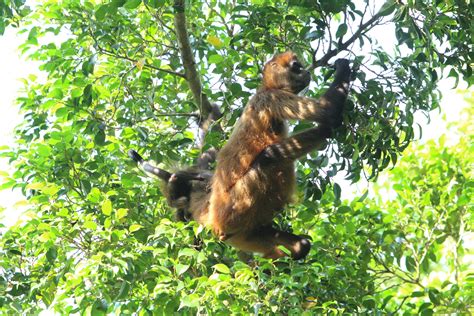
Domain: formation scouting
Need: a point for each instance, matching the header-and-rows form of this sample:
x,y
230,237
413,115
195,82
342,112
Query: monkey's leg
x,y
266,239
294,146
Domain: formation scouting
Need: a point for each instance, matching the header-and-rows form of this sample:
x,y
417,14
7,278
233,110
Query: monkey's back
x,y
244,195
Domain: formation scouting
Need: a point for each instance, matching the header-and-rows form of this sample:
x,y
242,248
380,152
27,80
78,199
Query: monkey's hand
x,y
343,70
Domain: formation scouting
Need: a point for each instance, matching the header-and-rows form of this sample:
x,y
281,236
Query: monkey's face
x,y
179,190
285,72
299,77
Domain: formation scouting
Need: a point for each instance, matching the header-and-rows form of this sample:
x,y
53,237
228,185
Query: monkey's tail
x,y
160,173
135,156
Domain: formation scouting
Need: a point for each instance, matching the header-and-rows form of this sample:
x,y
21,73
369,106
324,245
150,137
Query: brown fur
x,y
255,177
245,196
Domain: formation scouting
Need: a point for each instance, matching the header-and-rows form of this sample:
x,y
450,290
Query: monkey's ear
x,y
273,64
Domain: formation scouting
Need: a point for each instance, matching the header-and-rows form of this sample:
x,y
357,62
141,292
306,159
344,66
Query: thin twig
x,y
179,114
364,27
145,65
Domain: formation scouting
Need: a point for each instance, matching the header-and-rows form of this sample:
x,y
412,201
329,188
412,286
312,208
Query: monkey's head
x,y
285,72
182,185
178,190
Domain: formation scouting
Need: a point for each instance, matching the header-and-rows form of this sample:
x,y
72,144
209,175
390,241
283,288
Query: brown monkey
x,y
255,169
255,176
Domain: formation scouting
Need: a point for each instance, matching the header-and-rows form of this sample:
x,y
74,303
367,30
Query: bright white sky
x,y
13,67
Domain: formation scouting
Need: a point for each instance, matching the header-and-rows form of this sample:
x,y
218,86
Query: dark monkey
x,y
188,189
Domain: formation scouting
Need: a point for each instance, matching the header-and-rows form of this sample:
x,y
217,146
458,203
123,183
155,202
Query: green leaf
x,y
215,59
94,195
344,209
35,186
121,213
132,4
99,138
32,36
134,227
387,8
88,66
341,30
156,3
364,196
44,150
91,225
187,252
192,300
101,12
411,264
117,3
222,268
337,191
434,296
76,93
107,207
369,302
181,268
124,290
52,254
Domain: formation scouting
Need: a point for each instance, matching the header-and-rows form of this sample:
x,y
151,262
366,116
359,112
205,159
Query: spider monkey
x,y
188,189
255,174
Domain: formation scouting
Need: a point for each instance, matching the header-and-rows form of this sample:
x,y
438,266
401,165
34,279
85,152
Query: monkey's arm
x,y
326,110
295,146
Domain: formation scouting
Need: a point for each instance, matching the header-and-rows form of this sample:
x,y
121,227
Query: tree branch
x,y
364,27
187,58
178,114
110,53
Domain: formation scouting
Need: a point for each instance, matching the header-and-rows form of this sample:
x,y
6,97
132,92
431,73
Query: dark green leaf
x,y
337,191
101,12
99,138
132,4
341,30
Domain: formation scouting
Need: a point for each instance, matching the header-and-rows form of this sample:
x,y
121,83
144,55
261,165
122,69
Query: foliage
x,y
97,237
11,12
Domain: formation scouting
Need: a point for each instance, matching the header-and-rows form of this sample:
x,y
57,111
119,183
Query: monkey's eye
x,y
296,67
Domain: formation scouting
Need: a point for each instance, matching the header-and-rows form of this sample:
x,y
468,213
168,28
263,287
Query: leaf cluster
x,y
98,236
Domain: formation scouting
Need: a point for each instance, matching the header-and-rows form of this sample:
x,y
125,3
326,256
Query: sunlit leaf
x,y
107,207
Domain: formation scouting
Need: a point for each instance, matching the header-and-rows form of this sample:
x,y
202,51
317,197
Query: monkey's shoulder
x,y
266,99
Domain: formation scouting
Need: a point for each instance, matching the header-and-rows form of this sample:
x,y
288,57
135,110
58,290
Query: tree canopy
x,y
98,236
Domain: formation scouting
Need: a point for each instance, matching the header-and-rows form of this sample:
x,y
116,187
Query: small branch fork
x,y
363,28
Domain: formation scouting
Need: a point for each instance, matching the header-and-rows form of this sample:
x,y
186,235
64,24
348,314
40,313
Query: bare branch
x,y
187,58
145,65
178,114
364,27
